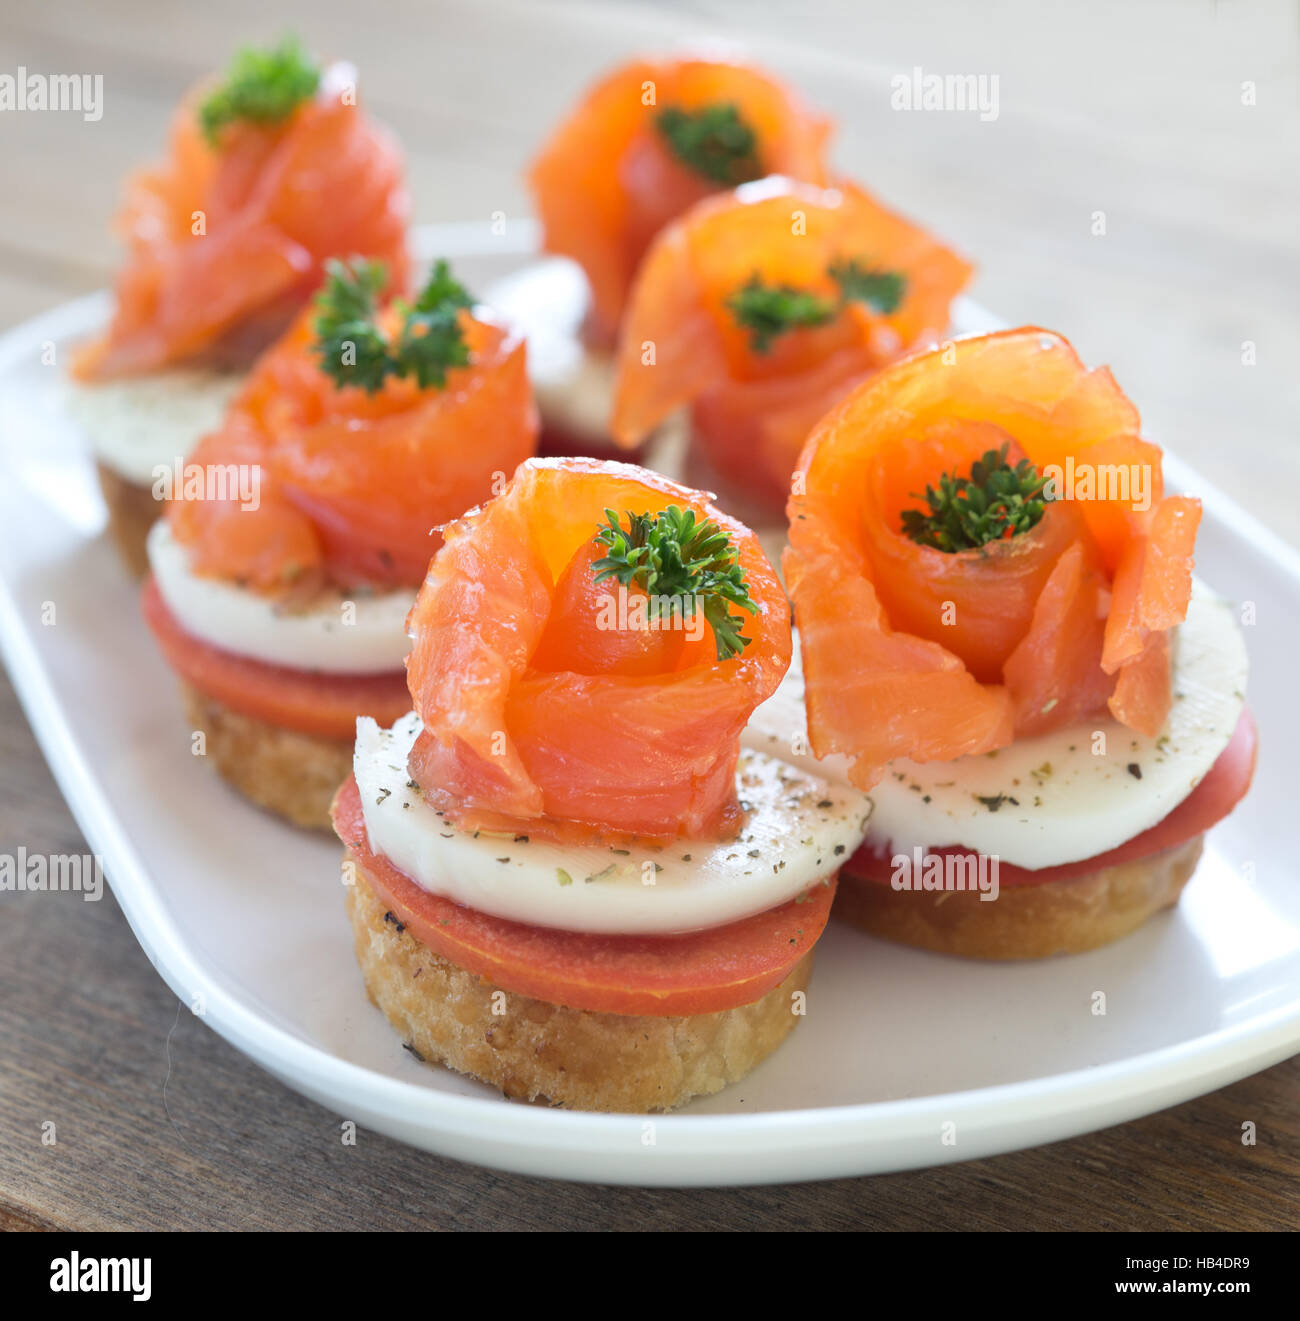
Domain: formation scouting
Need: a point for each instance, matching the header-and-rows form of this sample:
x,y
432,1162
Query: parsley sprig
x,y
679,561
713,141
996,502
353,348
431,340
768,311
262,86
882,291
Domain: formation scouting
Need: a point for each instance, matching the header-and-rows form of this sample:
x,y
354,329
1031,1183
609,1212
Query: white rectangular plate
x,y
245,915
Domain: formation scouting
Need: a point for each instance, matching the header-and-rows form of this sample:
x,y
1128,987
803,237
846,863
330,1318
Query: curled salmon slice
x,y
226,243
353,486
607,181
1054,674
537,718
914,652
754,404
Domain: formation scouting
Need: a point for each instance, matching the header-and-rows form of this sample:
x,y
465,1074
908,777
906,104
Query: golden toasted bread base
x,y
1023,922
293,775
533,1050
132,511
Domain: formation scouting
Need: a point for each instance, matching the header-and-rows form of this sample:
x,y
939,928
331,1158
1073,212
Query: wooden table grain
x,y
1137,190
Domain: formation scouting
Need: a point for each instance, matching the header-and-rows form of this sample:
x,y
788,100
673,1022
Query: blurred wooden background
x,y
1175,119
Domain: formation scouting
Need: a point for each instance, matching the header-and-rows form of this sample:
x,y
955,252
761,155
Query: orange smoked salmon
x,y
756,388
227,238
538,718
354,484
911,651
649,141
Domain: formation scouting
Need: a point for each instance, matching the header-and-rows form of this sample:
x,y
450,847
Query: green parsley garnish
x,y
431,340
713,141
769,310
354,350
679,563
995,502
262,86
882,291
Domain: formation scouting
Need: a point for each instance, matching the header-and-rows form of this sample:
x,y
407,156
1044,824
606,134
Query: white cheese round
x,y
339,633
798,830
141,423
573,385
1060,797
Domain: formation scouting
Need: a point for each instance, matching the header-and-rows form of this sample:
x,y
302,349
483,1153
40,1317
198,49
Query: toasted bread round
x,y
1027,921
132,511
293,775
533,1050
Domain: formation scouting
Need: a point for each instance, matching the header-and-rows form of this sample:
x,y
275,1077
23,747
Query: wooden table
x,y
1134,110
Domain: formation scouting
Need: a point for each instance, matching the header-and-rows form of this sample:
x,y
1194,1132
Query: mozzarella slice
x,y
338,634
798,830
141,423
573,385
1061,797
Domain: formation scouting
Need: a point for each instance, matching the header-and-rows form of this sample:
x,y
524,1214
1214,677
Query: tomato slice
x,y
326,705
1224,786
697,973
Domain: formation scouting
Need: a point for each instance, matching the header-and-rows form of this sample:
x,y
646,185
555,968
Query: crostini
x,y
647,142
763,307
564,876
270,170
1003,642
282,575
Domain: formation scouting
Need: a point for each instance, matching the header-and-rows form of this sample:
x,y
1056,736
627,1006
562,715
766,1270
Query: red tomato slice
x,y
1224,786
697,973
310,702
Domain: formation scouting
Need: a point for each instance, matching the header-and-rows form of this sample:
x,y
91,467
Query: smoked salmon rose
x,y
647,142
548,704
266,176
298,532
981,548
765,307
355,478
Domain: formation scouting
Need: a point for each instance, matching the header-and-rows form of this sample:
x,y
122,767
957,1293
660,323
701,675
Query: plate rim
x,y
689,1150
